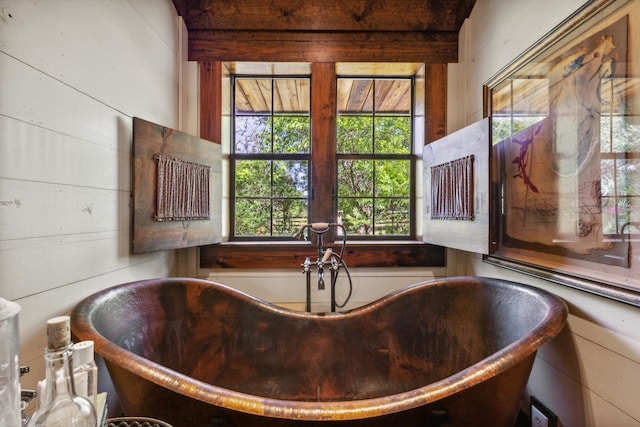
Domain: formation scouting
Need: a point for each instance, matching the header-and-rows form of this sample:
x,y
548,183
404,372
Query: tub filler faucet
x,y
326,259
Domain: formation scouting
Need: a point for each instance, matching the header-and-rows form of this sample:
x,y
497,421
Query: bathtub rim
x,y
490,367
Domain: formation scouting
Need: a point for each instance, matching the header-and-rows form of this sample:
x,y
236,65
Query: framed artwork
x,y
565,154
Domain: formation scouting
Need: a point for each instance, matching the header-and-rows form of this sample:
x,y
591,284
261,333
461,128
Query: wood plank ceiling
x,y
291,95
417,31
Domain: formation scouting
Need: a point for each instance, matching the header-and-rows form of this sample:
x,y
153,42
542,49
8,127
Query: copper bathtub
x,y
455,352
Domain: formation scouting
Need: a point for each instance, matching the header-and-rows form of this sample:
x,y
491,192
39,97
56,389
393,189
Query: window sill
x,y
292,254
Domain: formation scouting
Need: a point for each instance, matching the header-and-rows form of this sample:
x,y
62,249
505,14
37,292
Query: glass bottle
x,y
85,371
61,406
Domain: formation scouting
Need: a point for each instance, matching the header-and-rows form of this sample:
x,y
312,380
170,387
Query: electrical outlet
x,y
538,419
541,416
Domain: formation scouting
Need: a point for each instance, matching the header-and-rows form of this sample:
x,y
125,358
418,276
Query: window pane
x,y
253,134
355,96
355,178
252,217
356,215
253,178
392,216
393,135
609,215
292,96
354,134
518,104
607,177
253,96
628,173
392,178
291,134
393,96
290,178
288,216
619,135
618,211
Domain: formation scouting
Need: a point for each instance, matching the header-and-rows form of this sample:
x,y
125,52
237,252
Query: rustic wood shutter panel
x,y
177,191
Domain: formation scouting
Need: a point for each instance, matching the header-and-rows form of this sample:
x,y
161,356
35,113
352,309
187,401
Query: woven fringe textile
x,y
183,190
452,189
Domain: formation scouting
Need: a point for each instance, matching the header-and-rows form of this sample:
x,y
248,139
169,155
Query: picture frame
x,y
565,154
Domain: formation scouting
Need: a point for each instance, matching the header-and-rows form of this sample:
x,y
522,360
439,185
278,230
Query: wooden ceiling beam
x,y
325,15
302,46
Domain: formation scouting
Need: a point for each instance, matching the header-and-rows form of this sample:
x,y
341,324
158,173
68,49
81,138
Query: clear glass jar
x,y
9,365
61,406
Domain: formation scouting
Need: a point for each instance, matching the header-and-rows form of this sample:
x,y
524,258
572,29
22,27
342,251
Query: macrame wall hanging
x,y
452,189
183,190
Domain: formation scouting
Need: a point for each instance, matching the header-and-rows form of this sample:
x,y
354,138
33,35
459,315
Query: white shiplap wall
x,y
590,374
72,75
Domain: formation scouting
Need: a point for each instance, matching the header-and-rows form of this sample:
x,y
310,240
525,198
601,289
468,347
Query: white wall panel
x,y
48,209
41,101
74,73
39,155
106,50
31,266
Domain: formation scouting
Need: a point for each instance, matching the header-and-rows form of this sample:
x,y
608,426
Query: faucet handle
x,y
306,266
24,370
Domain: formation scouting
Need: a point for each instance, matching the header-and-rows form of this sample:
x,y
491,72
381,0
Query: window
x,y
373,167
374,160
271,154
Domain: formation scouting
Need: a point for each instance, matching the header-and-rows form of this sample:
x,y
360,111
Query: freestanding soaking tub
x,y
451,352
